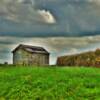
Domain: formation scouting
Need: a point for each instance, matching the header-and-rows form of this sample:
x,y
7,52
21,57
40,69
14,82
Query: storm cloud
x,y
63,27
39,18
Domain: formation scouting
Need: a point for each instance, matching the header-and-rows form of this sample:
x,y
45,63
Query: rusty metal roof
x,y
31,49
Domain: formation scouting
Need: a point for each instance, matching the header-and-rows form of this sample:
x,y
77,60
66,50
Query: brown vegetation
x,y
84,59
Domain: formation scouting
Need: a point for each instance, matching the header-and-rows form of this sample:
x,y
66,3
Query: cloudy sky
x,y
61,26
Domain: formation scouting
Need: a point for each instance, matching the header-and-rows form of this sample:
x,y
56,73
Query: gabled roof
x,y
31,49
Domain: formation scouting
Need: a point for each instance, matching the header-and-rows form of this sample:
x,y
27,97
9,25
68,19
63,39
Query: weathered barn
x,y
30,55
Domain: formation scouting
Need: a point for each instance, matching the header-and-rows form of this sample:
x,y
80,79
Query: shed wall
x,y
21,57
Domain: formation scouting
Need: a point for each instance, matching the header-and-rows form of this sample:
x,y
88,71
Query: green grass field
x,y
35,83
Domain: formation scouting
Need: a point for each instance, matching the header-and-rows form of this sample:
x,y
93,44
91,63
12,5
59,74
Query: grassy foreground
x,y
35,83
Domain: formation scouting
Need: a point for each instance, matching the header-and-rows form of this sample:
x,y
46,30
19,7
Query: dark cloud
x,y
61,26
49,18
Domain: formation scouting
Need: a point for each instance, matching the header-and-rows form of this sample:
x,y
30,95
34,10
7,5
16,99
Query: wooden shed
x,y
30,55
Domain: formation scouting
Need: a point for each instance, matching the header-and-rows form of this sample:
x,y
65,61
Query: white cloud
x,y
70,18
20,1
57,46
47,16
94,1
73,51
24,11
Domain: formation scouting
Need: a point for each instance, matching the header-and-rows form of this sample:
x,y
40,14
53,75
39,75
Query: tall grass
x,y
41,83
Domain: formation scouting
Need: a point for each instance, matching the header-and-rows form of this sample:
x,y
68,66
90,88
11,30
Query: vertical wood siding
x,y
21,57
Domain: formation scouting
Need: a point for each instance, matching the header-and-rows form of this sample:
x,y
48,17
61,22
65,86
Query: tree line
x,y
91,58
